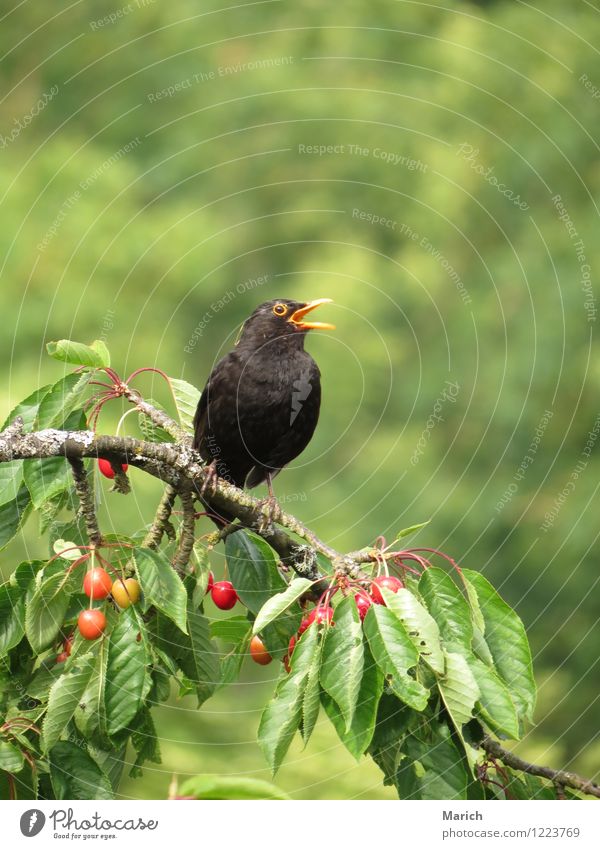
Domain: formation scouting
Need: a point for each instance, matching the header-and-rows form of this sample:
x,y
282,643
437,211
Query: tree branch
x,y
86,500
161,524
186,540
558,776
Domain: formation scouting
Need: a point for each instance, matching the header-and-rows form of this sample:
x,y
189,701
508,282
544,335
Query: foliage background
x,y
157,209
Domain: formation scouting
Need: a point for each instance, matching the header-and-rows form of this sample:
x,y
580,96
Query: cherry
x,y
291,646
107,470
258,652
61,657
91,624
97,583
224,595
363,603
126,592
318,615
68,644
389,582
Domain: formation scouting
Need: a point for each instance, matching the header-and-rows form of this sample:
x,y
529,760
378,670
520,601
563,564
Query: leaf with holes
x,y
458,689
419,624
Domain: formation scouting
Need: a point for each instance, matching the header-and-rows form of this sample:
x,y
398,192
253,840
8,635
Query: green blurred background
x,y
157,163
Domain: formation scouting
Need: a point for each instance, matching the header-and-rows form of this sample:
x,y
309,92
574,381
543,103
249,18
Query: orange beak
x,y
296,317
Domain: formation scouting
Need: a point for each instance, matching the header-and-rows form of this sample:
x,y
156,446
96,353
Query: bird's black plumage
x,y
260,406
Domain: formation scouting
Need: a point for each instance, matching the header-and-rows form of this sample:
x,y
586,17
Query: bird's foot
x,y
210,481
270,513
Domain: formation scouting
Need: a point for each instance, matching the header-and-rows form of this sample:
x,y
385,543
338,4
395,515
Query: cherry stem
x,y
147,368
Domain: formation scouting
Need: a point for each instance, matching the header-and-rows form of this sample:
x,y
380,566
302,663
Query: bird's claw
x,y
210,480
270,513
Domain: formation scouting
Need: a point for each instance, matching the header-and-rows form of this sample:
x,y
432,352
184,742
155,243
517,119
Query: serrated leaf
x,y
45,612
161,585
76,775
343,658
230,787
186,400
90,714
448,606
405,532
444,775
12,617
77,354
11,758
419,624
311,701
507,640
125,673
145,742
27,409
64,697
395,654
64,397
496,706
458,689
204,656
13,515
43,679
276,605
253,569
357,738
283,713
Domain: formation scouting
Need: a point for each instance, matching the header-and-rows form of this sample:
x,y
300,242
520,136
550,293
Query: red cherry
x,y
291,646
318,615
286,663
62,657
389,582
258,652
68,644
107,470
97,583
91,624
223,595
363,603
211,582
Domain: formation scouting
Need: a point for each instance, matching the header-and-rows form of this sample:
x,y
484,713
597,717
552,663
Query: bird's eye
x,y
280,309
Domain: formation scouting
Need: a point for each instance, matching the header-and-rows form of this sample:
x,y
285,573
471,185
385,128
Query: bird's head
x,y
282,318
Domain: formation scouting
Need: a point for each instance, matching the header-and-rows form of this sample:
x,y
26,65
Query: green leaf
x,y
43,678
311,701
394,654
275,606
232,630
505,635
343,658
65,695
161,585
27,409
444,775
64,397
411,530
186,400
46,478
13,515
449,608
419,624
11,758
144,741
125,673
204,656
94,356
150,431
283,713
230,787
76,775
357,738
46,611
458,689
90,714
496,706
253,569
11,478
12,617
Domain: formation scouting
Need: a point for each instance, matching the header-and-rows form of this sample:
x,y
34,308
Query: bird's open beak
x,y
296,317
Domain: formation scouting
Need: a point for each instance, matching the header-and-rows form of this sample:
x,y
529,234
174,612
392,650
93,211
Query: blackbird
x,y
260,405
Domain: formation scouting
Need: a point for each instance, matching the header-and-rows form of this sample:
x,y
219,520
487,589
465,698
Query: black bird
x,y
260,405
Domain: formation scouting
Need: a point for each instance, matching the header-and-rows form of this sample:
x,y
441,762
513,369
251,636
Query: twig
x,y
86,500
158,417
557,776
186,538
161,524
